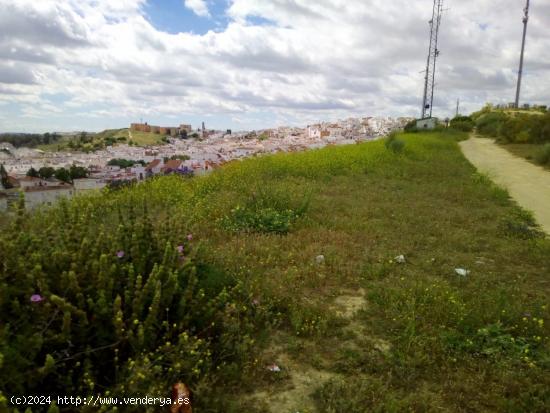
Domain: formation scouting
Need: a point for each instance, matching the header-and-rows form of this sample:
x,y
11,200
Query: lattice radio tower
x,y
520,73
433,54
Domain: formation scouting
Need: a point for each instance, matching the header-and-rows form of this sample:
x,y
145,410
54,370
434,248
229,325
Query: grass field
x,y
146,138
357,329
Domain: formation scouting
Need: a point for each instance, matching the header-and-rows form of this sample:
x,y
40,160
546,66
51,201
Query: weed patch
x,y
521,224
266,211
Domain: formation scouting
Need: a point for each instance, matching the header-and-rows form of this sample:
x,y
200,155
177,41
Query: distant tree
x,y
33,172
77,172
183,134
180,157
85,138
124,163
63,175
411,127
46,139
46,172
4,178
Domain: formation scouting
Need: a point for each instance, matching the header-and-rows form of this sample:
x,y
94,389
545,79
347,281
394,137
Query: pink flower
x,y
180,249
256,301
189,237
120,254
36,298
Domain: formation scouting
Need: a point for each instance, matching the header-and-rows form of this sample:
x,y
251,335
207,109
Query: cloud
x,y
16,73
199,7
273,61
41,23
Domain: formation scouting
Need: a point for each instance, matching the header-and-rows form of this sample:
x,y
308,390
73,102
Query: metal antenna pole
x,y
433,53
520,73
457,106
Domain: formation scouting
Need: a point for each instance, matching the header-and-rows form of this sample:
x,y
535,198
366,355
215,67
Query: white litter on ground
x,y
274,368
400,259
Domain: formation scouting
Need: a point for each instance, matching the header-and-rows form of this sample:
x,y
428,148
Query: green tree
x,y
46,172
33,172
78,172
63,175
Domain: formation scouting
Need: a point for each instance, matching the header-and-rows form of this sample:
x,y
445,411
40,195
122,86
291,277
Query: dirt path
x,y
528,184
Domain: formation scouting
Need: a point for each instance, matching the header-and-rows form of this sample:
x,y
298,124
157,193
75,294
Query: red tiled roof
x,y
172,164
153,164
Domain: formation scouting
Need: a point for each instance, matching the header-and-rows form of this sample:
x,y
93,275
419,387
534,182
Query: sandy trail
x,y
528,184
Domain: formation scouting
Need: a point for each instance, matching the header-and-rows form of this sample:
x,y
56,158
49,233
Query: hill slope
x,y
292,261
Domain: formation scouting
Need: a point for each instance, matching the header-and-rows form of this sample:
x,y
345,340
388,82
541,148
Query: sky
x,y
68,65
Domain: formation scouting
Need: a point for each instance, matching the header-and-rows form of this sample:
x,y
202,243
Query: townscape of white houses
x,y
196,156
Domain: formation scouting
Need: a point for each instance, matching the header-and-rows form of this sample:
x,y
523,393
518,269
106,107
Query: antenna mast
x,y
433,53
520,73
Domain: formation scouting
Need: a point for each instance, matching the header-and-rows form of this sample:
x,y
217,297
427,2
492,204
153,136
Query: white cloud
x,y
312,60
199,7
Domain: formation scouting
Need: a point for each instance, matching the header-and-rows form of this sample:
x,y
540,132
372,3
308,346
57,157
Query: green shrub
x,y
97,302
490,123
266,210
513,127
394,144
540,128
462,123
542,157
265,220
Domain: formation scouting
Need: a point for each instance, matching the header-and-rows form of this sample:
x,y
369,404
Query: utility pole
x,y
457,106
520,73
433,54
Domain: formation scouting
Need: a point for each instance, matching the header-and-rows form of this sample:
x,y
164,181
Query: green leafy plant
x,y
543,155
266,210
394,144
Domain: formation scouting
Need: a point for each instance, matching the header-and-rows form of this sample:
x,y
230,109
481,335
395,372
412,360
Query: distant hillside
x,y
89,142
30,140
81,141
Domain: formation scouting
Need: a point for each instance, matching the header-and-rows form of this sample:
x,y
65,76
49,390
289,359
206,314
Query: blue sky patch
x,y
173,17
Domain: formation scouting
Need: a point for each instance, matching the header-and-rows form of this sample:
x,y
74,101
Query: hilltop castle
x,y
162,130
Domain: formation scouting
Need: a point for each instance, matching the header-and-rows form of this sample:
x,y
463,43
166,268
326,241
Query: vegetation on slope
x,y
147,138
514,126
87,142
523,132
292,261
